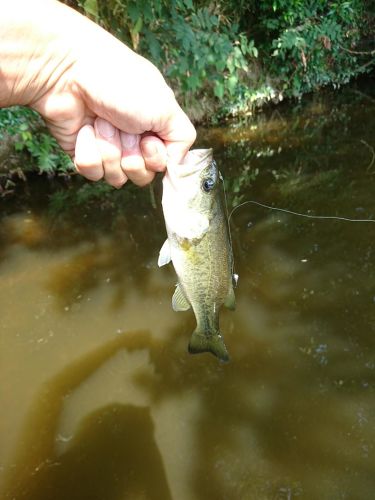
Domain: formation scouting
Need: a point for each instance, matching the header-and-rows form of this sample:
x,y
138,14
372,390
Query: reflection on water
x,y
99,397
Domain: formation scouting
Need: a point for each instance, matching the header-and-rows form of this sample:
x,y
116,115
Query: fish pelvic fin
x,y
201,342
230,301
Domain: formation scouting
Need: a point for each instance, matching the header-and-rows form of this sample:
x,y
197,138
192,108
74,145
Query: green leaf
x,y
232,83
91,8
134,12
138,26
219,90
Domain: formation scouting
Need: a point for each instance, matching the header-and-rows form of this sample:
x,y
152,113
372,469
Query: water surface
x,y
99,397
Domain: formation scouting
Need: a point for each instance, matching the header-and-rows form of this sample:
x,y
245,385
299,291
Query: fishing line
x,y
234,275
334,217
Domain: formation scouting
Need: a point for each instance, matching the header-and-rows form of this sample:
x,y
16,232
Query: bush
x,y
209,51
29,137
313,44
224,58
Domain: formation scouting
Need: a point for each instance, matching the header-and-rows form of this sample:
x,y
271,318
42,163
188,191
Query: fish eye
x,y
208,184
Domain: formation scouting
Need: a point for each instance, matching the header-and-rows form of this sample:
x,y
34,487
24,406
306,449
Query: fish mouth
x,y
195,160
196,157
187,172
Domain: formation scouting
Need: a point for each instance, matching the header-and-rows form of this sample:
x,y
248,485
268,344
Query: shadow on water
x,y
270,429
106,244
259,419
113,455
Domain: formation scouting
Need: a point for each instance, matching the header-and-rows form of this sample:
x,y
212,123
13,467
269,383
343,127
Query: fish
x,y
199,246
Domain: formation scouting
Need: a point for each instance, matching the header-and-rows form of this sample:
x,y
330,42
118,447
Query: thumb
x,y
178,135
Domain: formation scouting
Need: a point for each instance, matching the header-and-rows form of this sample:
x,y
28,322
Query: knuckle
x,y
89,171
112,162
92,176
117,183
130,168
155,162
143,182
110,153
133,164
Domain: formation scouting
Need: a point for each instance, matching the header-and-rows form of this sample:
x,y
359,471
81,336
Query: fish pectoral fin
x,y
179,300
165,254
230,301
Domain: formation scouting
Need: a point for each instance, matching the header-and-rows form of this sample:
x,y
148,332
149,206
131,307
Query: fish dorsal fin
x,y
230,301
179,300
164,254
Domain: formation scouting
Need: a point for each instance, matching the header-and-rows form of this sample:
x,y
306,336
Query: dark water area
x,y
100,399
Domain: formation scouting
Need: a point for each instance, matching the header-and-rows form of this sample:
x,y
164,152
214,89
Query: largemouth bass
x,y
199,246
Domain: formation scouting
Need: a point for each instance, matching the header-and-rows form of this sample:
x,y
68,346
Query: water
x,y
99,398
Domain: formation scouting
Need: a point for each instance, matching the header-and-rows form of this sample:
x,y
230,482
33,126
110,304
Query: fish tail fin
x,y
200,342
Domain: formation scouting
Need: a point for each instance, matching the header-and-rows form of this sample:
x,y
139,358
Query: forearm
x,y
37,40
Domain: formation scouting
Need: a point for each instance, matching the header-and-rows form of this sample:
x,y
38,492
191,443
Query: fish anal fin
x,y
179,300
200,342
230,301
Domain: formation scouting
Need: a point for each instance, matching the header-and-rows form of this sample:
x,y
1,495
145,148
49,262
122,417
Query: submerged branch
x,y
362,94
372,152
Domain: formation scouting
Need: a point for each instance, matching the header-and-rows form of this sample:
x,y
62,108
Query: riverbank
x,y
27,148
227,60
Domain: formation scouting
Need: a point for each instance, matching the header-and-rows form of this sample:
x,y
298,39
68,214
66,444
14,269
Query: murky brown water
x,y
99,398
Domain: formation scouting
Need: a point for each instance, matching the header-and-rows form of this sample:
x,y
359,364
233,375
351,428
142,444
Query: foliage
x,y
95,197
30,138
222,58
312,43
199,50
81,195
209,51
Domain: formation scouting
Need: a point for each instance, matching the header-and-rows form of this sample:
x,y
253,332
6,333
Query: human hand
x,y
109,108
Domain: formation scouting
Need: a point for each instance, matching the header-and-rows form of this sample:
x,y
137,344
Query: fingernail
x,y
105,129
129,141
